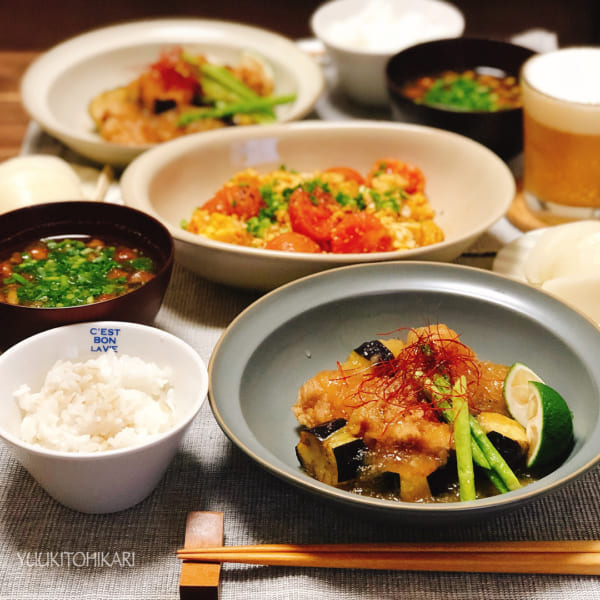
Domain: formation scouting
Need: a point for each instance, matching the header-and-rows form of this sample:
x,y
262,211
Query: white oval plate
x,y
511,259
579,292
57,88
469,188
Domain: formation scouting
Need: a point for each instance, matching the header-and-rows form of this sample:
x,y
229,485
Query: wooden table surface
x,y
13,118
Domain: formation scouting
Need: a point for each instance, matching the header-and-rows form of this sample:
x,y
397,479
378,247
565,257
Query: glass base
x,y
552,213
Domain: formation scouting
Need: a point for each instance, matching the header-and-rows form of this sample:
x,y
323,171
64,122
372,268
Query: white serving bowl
x,y
112,480
360,37
468,186
58,87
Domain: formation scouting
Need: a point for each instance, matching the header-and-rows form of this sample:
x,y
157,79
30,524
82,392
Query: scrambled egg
x,y
404,212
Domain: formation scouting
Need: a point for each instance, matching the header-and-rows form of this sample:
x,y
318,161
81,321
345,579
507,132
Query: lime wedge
x,y
542,411
549,425
516,391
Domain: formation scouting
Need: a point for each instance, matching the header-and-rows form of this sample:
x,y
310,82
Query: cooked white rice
x,y
113,401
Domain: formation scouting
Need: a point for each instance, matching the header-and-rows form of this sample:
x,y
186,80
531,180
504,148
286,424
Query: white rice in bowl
x,y
113,401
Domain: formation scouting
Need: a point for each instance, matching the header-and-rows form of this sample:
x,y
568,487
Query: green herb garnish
x,y
73,274
462,93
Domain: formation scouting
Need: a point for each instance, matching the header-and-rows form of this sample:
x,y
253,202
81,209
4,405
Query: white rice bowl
x,y
110,402
103,406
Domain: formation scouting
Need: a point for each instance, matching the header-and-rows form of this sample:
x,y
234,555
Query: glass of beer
x,y
561,128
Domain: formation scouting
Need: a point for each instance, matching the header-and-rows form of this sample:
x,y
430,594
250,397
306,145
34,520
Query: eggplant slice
x,y
507,435
330,453
375,351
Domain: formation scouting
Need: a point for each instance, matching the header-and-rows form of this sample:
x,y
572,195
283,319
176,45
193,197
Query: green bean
x,y
477,453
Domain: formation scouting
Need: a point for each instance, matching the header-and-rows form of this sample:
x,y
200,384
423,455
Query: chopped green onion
x,y
71,275
462,93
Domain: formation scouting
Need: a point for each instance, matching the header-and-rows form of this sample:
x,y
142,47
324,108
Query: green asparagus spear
x,y
220,85
445,391
229,81
498,472
462,441
226,110
493,456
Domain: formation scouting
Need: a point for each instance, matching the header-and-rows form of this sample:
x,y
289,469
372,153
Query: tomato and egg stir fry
x,y
71,272
336,210
424,420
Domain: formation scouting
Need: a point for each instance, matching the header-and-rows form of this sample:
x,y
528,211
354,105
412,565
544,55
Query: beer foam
x,y
571,75
561,90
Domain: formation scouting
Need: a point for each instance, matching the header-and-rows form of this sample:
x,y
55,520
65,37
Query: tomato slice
x,y
244,201
360,232
311,214
167,81
174,72
413,175
293,242
348,174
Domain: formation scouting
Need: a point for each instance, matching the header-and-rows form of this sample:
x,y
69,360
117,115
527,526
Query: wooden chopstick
x,y
494,547
105,178
564,557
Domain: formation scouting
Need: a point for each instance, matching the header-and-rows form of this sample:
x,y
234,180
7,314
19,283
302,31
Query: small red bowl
x,y
134,228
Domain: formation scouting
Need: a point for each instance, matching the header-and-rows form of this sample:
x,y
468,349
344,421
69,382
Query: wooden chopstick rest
x,y
200,580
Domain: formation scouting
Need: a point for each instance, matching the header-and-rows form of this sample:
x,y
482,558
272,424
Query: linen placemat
x,y
48,551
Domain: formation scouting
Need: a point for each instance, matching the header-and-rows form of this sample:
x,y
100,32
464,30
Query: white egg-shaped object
x,y
27,180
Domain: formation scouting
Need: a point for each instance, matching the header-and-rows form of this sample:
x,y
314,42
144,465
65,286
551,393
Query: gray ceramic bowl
x,y
303,327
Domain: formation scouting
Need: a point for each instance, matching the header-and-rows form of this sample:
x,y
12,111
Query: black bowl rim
x,y
167,257
394,85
